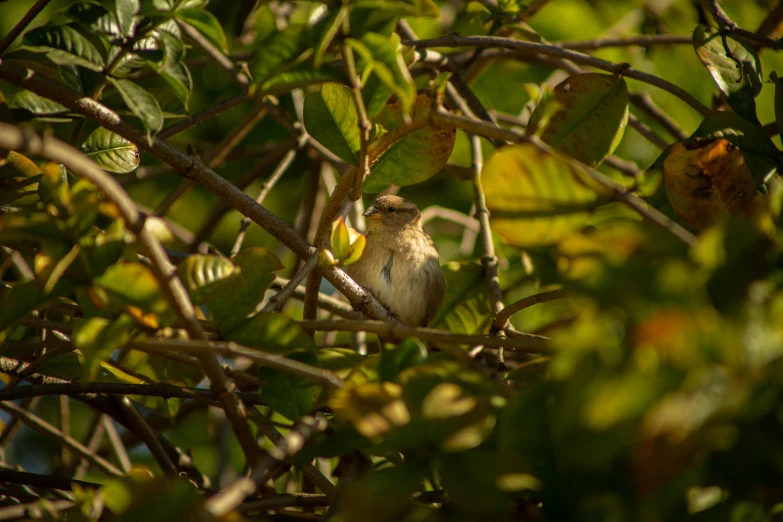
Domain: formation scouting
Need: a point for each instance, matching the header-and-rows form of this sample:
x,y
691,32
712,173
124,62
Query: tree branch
x,y
553,50
43,427
502,317
14,139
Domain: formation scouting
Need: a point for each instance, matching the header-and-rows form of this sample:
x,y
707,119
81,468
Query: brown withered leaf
x,y
707,182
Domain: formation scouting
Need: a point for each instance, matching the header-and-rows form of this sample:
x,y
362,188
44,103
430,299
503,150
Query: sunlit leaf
x,y
205,23
382,55
133,286
373,408
96,338
271,332
331,118
278,50
18,178
591,119
708,182
535,198
466,306
126,11
734,66
141,103
757,148
111,151
416,157
201,275
241,293
64,45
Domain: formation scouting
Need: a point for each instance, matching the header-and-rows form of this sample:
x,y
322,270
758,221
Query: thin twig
x,y
22,24
502,317
150,438
51,148
115,442
618,192
364,121
231,497
277,301
552,50
286,162
396,330
222,208
202,116
216,155
34,510
644,40
327,302
231,349
726,23
308,470
163,390
216,54
43,427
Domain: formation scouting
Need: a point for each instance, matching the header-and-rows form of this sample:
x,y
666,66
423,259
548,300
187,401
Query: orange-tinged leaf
x,y
414,158
708,182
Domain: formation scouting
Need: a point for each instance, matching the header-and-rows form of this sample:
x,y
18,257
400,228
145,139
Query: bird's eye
x,y
391,209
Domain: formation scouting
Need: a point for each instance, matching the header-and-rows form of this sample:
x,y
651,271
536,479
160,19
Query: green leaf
x,y
205,23
94,17
383,56
277,51
298,76
761,155
169,39
134,285
465,309
271,332
535,198
25,104
179,79
736,70
328,36
290,395
416,157
330,117
96,338
242,292
22,298
126,11
64,45
591,118
201,275
18,178
141,103
111,151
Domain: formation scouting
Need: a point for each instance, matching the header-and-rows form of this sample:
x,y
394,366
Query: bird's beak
x,y
372,212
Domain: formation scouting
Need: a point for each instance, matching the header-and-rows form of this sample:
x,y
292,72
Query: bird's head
x,y
392,212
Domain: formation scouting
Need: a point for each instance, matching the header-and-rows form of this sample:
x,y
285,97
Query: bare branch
x,y
14,139
502,317
43,427
397,330
644,40
553,50
22,24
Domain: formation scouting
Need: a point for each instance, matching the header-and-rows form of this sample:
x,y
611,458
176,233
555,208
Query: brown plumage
x,y
400,262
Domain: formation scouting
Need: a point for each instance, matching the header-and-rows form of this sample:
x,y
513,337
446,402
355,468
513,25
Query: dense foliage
x,y
601,178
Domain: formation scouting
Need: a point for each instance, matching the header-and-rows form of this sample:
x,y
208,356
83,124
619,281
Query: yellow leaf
x,y
708,182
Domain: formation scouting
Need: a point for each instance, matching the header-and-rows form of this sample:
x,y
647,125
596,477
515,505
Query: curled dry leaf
x,y
708,182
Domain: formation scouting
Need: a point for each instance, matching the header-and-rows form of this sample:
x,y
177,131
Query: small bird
x,y
399,265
